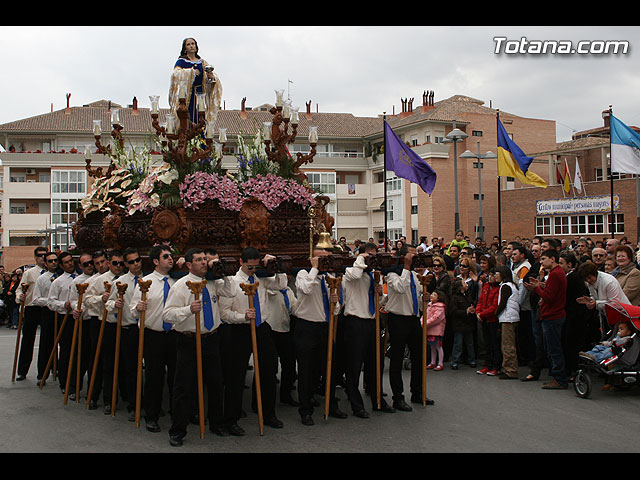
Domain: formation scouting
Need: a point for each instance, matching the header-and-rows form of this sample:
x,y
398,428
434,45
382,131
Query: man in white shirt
x,y
236,313
58,301
128,359
31,319
360,292
159,339
86,266
180,310
404,302
109,267
281,317
39,300
311,335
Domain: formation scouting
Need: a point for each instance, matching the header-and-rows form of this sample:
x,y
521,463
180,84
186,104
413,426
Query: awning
x,y
25,233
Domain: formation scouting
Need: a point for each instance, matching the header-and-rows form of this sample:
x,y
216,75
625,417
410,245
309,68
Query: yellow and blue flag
x,y
512,161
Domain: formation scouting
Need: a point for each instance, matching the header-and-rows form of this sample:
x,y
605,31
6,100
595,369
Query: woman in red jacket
x,y
486,313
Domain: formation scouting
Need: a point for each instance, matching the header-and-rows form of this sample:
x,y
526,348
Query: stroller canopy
x,y
621,312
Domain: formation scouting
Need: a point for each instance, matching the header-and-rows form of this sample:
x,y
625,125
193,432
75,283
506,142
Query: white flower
x,y
169,176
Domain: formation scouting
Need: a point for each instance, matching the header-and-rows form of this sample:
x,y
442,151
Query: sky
x,y
363,70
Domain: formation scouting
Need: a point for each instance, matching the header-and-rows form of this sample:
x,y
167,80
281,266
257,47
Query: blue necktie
x,y
207,309
42,271
372,287
135,281
414,295
73,275
256,304
325,297
286,299
166,326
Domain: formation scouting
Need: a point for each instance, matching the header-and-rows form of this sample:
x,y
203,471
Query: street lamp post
x,y
479,156
456,135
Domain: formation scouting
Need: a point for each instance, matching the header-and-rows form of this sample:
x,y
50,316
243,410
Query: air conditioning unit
x,y
31,171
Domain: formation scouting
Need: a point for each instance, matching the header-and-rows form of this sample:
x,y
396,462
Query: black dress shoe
x,y
107,410
219,430
307,420
131,416
337,413
361,414
384,407
236,430
93,405
72,397
274,422
175,441
402,405
19,378
152,426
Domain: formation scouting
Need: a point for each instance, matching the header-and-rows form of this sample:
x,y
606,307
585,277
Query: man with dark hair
x,y
58,301
31,318
236,313
180,310
360,291
159,340
109,267
552,315
128,359
46,317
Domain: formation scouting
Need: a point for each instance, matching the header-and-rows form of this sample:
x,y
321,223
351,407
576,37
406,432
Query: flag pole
x,y
612,225
499,208
384,132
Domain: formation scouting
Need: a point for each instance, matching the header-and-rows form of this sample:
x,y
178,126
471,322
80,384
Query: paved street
x,y
473,413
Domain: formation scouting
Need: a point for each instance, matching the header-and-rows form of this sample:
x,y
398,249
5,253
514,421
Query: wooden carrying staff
x,y
122,288
196,289
25,288
81,287
334,286
144,288
425,280
249,290
96,358
376,277
54,351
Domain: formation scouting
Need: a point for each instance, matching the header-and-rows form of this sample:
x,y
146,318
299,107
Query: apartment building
x,y
44,174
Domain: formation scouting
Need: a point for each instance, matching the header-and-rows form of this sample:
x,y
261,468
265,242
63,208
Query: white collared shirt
x,y
92,301
310,304
41,289
177,310
155,300
73,293
233,309
30,277
356,283
399,296
59,292
127,317
279,315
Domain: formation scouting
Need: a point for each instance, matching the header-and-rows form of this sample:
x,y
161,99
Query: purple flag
x,y
407,164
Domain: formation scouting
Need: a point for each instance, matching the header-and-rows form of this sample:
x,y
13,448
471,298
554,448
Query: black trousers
x,y
83,338
405,331
127,364
64,348
360,349
94,334
287,356
159,363
35,317
184,395
241,350
310,343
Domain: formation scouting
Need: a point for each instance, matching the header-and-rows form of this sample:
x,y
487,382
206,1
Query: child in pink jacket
x,y
436,321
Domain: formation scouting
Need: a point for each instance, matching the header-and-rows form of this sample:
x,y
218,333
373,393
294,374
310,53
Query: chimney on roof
x,y
135,107
308,114
243,108
427,100
606,117
67,110
109,106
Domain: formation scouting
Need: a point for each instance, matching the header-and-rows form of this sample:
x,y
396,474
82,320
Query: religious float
x,y
188,200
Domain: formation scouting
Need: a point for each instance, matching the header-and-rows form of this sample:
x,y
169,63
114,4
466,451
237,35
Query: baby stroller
x,y
621,370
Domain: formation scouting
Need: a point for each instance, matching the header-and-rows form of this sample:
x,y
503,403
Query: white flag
x,y
577,179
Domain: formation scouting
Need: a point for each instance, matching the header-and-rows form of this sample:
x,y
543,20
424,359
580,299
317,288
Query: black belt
x,y
193,334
